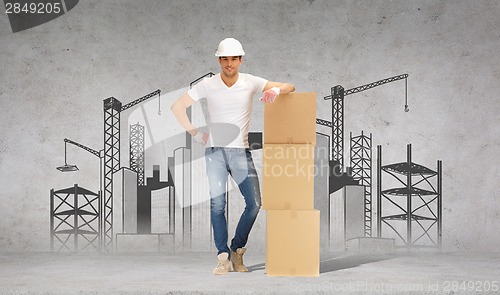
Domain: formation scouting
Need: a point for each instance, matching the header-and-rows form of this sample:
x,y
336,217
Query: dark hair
x,y
240,56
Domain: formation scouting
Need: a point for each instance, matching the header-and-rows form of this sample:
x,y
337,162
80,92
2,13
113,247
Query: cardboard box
x,y
292,245
291,119
288,176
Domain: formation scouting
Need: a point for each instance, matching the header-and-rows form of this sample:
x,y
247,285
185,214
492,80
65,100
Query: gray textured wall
x,y
54,78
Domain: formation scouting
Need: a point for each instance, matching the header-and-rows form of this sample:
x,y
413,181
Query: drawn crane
x,y
338,178
68,168
112,110
337,125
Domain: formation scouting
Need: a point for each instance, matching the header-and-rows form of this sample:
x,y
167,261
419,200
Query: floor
x,y
191,273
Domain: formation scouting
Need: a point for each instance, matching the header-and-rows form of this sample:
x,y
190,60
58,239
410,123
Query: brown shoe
x,y
223,266
237,260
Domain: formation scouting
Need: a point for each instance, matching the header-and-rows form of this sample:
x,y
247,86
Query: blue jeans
x,y
238,163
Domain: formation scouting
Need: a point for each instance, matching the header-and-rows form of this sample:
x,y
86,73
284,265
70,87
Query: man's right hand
x,y
201,137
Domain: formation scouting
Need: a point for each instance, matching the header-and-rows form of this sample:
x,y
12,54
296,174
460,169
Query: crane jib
x,y
369,86
139,100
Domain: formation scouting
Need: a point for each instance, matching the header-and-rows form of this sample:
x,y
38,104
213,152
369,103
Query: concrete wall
x,y
55,77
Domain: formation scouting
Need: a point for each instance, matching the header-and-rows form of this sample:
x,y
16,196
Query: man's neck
x,y
229,81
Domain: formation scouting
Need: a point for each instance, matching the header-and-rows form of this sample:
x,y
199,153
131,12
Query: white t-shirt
x,y
229,108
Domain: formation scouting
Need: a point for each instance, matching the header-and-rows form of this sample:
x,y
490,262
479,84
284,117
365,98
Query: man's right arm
x,y
273,89
179,109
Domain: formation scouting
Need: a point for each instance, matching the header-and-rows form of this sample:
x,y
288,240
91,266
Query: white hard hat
x,y
229,47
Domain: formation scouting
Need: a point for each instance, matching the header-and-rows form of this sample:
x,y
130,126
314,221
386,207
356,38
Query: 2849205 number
x,y
34,8
471,286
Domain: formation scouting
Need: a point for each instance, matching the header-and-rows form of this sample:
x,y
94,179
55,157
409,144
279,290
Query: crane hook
x,y
159,107
407,109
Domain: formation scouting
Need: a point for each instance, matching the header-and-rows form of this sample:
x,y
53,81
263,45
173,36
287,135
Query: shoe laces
x,y
239,257
221,263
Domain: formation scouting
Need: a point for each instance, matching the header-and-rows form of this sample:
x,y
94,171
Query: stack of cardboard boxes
x,y
292,229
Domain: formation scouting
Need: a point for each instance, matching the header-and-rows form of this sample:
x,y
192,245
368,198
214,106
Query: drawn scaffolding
x,y
74,220
361,165
137,152
413,210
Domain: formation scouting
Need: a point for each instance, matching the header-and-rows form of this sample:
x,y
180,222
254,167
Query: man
x,y
229,97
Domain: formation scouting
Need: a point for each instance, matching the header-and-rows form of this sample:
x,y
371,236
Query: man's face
x,y
229,65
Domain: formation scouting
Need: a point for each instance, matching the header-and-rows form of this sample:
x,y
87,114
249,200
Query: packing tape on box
x,y
293,214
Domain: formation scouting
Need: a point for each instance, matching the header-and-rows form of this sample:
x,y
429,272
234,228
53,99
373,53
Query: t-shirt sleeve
x,y
258,83
198,91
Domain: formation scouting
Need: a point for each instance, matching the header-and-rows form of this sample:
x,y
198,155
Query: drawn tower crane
x,y
112,110
338,178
